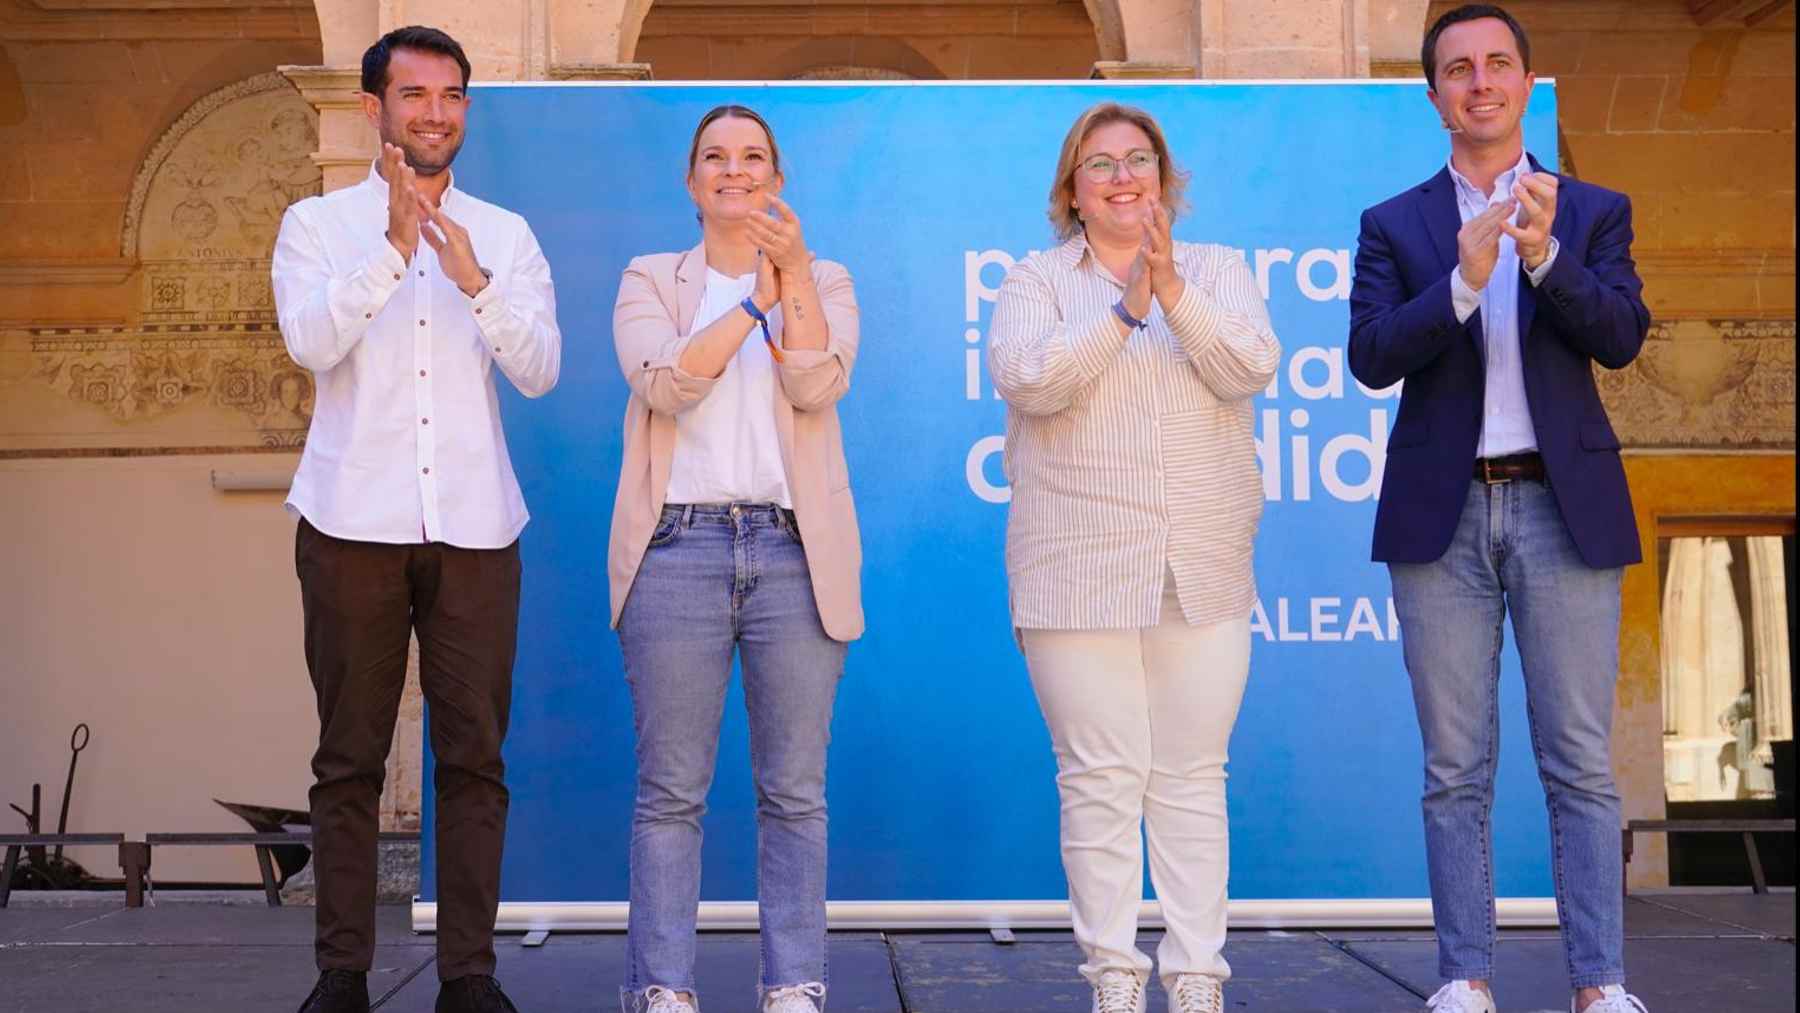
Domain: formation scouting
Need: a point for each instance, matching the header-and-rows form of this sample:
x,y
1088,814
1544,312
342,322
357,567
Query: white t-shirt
x,y
726,450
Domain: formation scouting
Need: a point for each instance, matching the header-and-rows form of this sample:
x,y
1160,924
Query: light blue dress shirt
x,y
1506,416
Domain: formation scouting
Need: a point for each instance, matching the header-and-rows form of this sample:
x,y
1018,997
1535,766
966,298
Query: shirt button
x,y
421,323
498,349
426,471
368,316
421,274
396,277
421,372
424,422
478,311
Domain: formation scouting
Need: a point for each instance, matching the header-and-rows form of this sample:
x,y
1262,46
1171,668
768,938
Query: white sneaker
x,y
1119,992
1460,997
665,1000
794,998
1197,993
1613,999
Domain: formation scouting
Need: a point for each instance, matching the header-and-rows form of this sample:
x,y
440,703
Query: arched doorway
x,y
1039,39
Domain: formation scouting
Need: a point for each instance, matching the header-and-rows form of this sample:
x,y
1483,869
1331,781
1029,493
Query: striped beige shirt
x,y
1129,456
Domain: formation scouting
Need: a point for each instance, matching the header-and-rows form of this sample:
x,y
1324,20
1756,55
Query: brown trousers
x,y
362,601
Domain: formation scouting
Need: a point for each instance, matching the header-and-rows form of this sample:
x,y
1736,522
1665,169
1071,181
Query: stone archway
x,y
201,365
777,39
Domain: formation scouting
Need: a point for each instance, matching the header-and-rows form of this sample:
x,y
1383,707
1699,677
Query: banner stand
x,y
980,915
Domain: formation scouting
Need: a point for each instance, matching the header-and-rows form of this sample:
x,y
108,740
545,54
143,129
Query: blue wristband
x,y
1124,314
762,320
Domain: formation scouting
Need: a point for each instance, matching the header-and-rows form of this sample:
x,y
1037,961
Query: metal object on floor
x,y
45,869
268,819
1759,883
78,740
35,844
264,844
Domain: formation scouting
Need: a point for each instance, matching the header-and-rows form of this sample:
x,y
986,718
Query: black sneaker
x,y
473,993
338,992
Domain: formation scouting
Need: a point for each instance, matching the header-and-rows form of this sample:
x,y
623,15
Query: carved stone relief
x,y
202,364
1707,384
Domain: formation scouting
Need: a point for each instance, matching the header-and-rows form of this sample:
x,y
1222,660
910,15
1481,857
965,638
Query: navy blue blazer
x,y
1402,327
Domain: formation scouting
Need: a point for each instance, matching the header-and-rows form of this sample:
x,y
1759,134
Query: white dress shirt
x,y
406,444
726,448
1506,416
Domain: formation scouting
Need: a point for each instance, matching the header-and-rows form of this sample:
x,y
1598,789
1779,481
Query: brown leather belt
x,y
1496,470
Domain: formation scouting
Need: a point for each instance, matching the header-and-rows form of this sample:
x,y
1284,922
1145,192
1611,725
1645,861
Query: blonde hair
x,y
1062,189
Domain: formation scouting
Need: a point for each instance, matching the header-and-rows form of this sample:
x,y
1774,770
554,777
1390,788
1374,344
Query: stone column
x,y
1255,38
1772,688
1681,628
1703,669
506,40
346,141
1258,39
1723,635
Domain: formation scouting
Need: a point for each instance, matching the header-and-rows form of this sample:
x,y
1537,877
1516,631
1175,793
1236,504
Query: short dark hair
x,y
417,37
1469,12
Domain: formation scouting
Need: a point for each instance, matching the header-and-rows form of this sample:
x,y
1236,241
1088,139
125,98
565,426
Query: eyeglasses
x,y
1102,168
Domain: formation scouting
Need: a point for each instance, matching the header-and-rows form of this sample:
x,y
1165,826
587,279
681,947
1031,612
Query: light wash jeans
x,y
1141,720
716,579
1512,550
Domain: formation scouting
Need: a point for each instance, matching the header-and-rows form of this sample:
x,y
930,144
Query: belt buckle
x,y
1487,473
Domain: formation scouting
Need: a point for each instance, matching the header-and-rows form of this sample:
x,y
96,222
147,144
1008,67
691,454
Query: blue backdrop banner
x,y
941,774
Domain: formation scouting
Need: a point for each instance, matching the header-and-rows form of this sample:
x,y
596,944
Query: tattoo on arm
x,y
799,314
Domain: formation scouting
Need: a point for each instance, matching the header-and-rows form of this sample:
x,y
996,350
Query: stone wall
x,y
145,152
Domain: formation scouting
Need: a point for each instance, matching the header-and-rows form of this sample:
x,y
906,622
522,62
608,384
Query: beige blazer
x,y
657,299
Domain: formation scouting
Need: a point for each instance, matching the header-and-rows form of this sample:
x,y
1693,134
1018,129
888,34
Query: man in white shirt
x,y
402,294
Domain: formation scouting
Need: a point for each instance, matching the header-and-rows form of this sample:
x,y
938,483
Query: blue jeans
x,y
1511,549
716,579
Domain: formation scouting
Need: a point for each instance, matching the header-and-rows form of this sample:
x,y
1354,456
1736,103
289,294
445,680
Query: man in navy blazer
x,y
1491,290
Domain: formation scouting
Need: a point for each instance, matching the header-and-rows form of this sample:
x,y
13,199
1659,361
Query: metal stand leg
x,y
6,873
1758,882
270,890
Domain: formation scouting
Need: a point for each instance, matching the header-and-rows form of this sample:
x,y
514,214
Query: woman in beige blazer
x,y
733,531
1128,361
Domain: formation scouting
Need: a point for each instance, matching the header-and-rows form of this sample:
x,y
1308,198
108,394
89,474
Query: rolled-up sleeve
x,y
1039,361
1226,331
649,347
814,378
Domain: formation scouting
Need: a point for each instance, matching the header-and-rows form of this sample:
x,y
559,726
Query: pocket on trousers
x,y
791,525
667,531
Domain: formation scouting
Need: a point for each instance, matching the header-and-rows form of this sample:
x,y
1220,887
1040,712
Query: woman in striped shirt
x,y
1128,361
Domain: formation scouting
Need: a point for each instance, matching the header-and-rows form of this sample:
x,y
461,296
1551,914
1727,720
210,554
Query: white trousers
x,y
1141,721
